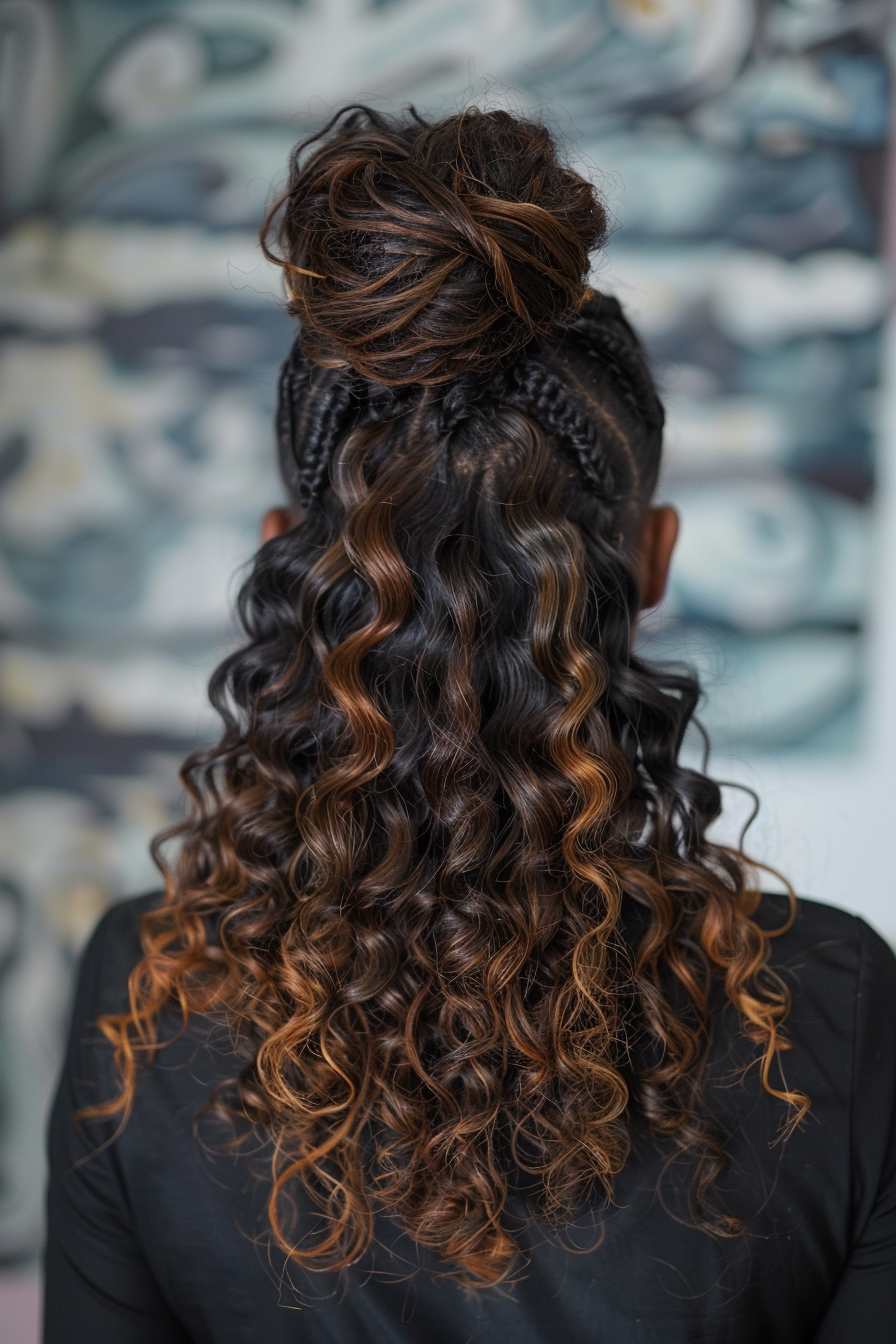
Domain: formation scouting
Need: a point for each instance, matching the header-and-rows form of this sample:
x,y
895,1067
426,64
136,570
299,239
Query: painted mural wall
x,y
741,149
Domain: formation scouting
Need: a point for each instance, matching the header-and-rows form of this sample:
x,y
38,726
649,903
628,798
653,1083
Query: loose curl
x,y
443,874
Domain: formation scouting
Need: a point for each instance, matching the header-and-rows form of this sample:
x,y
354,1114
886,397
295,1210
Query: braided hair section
x,y
602,330
318,406
546,396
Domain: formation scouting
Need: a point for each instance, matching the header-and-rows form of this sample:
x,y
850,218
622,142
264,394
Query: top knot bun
x,y
418,252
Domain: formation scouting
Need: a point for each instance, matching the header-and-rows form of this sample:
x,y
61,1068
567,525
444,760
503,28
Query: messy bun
x,y
416,253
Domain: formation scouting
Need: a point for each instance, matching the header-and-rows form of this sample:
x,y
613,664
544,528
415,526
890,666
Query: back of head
x,y
445,780
442,270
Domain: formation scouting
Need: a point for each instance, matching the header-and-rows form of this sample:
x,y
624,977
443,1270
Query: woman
x,y
451,1024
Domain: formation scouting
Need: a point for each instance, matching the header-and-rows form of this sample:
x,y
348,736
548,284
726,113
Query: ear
x,y
659,532
277,521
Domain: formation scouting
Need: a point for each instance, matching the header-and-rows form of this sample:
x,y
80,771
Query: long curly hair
x,y
443,871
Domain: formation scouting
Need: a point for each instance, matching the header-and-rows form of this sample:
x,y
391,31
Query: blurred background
x,y
742,148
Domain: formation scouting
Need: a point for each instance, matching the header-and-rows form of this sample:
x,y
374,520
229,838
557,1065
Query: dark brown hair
x,y
445,782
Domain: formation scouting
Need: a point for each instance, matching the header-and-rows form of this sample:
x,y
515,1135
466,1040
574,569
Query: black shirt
x,y
160,1236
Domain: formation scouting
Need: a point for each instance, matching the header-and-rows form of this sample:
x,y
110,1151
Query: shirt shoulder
x,y
841,973
814,921
110,954
825,943
818,924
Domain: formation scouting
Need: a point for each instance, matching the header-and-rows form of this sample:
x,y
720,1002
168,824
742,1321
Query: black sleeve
x,y
98,1285
864,1305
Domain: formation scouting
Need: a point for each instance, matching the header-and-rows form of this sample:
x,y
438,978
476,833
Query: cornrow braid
x,y
316,408
293,389
602,329
549,399
326,422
